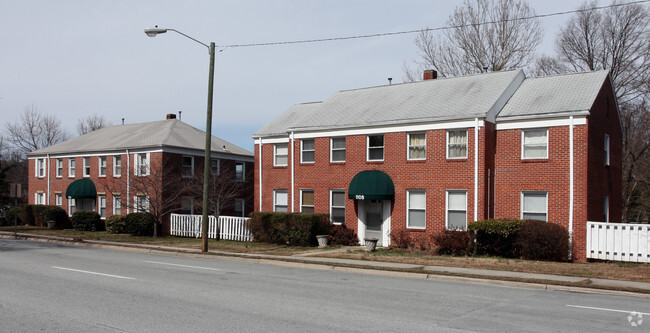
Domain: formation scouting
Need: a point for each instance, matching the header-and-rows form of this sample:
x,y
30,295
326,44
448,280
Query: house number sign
x,y
360,197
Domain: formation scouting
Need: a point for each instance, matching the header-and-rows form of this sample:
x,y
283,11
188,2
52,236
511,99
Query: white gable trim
x,y
522,124
389,129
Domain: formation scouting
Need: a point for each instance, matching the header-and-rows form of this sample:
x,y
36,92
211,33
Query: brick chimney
x,y
171,116
430,74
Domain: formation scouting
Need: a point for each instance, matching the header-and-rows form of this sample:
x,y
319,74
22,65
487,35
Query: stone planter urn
x,y
51,225
371,244
322,240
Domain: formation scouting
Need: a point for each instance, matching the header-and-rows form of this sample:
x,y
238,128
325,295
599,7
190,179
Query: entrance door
x,y
374,220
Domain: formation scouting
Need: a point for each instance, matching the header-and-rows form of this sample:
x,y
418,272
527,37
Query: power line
x,y
305,41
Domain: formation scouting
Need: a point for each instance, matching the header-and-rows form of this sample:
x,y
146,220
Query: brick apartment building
x,y
140,167
441,153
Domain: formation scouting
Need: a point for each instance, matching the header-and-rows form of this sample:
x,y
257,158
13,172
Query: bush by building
x,y
540,240
454,242
496,237
115,224
139,224
294,229
87,220
56,214
341,235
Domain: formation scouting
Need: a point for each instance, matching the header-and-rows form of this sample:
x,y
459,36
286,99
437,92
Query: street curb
x,y
302,262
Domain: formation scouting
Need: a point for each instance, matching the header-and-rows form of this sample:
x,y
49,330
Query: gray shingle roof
x,y
463,97
550,95
171,133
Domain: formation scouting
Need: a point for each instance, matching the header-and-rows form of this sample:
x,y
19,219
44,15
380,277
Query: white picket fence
x,y
618,241
230,227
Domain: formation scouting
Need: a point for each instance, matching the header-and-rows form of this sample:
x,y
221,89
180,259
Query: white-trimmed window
x,y
606,147
375,145
239,207
141,204
141,165
40,198
606,209
456,144
188,166
215,166
58,199
86,166
337,206
307,151
117,204
280,154
416,203
534,144
102,166
117,166
71,167
337,150
72,206
59,168
307,201
534,205
417,146
40,167
187,205
239,171
280,201
457,209
101,205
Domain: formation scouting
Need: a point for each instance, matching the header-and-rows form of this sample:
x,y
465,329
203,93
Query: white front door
x,y
374,221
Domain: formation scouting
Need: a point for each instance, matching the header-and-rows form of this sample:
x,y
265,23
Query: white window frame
x,y
332,149
218,163
185,172
58,199
72,206
275,196
409,146
383,148
303,150
101,205
409,209
242,204
59,167
243,172
276,155
303,191
117,204
40,167
607,150
117,172
39,198
141,204
102,169
332,207
523,145
86,166
447,210
72,167
449,144
142,162
545,212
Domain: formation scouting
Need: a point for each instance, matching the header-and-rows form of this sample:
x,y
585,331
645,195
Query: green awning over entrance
x,y
371,185
81,188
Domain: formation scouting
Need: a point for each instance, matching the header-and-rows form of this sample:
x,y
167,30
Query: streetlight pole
x,y
153,32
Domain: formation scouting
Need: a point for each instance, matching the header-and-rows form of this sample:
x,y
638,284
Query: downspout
x,y
259,161
292,171
128,181
475,169
571,163
48,178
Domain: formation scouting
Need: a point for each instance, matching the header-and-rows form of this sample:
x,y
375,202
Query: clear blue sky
x,y
73,58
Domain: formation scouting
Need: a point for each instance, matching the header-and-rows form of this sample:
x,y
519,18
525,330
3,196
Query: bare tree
x,y
636,162
91,123
35,130
485,35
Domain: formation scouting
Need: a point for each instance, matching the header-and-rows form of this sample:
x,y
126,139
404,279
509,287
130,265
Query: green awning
x,y
371,185
81,188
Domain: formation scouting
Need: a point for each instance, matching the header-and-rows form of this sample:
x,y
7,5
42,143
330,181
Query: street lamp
x,y
153,32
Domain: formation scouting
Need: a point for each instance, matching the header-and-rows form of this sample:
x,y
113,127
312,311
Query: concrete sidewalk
x,y
545,281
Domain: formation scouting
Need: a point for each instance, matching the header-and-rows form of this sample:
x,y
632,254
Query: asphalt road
x,y
60,288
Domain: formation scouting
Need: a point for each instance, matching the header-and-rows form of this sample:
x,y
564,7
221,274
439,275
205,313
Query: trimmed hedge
x,y
540,240
115,224
342,235
37,215
139,224
496,237
454,242
294,229
58,215
401,239
87,220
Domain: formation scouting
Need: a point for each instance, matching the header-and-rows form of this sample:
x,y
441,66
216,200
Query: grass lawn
x,y
604,270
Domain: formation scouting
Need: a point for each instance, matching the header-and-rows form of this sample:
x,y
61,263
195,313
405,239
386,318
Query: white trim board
x,y
507,125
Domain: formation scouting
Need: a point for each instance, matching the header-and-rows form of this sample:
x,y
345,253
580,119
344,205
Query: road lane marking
x,y
186,266
604,309
94,273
